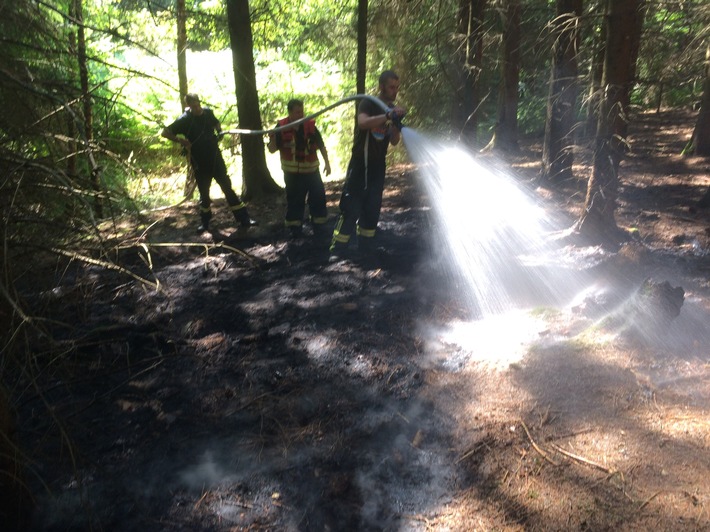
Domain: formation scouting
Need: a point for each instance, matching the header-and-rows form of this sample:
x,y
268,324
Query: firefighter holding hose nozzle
x,y
361,199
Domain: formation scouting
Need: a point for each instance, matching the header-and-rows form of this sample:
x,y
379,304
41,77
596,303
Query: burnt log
x,y
652,308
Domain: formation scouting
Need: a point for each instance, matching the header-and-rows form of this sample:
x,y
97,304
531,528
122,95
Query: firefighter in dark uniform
x,y
361,199
198,128
298,147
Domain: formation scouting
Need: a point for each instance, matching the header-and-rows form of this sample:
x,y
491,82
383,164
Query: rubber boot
x,y
243,219
205,218
321,233
295,232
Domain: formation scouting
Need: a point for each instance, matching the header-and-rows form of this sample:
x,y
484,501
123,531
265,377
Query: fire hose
x,y
396,120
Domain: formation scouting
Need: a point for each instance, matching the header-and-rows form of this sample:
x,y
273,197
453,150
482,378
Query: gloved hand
x,y
396,114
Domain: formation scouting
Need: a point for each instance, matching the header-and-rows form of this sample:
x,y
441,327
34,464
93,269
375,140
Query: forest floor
x,y
263,387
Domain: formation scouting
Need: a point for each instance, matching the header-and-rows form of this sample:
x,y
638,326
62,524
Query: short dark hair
x,y
192,97
294,102
386,76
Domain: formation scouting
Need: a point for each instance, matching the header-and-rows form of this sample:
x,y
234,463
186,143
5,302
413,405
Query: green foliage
x,y
672,51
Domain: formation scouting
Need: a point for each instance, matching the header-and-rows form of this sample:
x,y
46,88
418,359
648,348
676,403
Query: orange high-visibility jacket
x,y
299,159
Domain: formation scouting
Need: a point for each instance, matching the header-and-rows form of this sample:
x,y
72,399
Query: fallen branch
x,y
207,247
536,447
105,264
643,505
469,453
583,460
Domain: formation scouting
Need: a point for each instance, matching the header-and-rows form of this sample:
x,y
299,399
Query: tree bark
x,y
594,95
87,107
701,133
470,52
557,154
181,18
257,180
598,221
506,133
361,68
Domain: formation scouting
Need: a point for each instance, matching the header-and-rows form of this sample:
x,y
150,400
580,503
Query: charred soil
x,y
242,381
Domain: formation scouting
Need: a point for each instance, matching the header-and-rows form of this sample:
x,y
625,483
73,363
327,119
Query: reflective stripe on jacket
x,y
299,155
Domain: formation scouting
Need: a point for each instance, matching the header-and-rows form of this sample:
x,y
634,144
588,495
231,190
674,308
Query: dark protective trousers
x,y
360,203
218,171
302,189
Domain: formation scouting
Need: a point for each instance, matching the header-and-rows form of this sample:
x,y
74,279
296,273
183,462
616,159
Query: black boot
x,y
295,232
242,217
205,218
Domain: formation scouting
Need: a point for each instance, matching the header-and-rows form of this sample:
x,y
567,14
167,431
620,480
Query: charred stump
x,y
652,309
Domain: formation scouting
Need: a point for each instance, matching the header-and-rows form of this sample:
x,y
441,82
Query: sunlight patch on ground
x,y
496,341
683,423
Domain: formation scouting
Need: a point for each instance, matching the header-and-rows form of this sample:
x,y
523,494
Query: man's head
x,y
192,100
389,86
295,109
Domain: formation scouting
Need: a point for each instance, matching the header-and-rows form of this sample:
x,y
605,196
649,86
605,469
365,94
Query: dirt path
x,y
265,388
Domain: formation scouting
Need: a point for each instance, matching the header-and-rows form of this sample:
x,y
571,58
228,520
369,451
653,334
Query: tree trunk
x,y
594,95
181,42
69,117
598,221
506,133
257,181
361,69
557,154
181,18
470,52
87,108
701,133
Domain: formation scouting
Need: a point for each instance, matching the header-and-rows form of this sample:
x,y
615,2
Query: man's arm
x,y
324,153
273,144
395,135
173,137
365,121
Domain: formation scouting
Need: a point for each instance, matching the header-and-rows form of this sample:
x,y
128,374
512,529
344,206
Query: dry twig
x,y
585,461
536,447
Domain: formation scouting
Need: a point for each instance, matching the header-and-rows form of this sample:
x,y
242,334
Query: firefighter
x,y
361,199
298,147
197,130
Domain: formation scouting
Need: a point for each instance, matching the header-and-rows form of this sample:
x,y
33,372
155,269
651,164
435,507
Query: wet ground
x,y
259,386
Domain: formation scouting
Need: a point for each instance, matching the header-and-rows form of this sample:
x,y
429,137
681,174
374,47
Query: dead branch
x,y
108,265
536,447
469,453
207,247
583,460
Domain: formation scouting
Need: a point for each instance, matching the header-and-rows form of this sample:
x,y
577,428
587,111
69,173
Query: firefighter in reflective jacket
x,y
298,147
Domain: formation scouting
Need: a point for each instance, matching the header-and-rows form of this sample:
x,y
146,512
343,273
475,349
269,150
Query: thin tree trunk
x,y
506,133
87,108
181,46
71,126
361,69
557,154
598,221
470,33
595,95
181,18
257,180
701,133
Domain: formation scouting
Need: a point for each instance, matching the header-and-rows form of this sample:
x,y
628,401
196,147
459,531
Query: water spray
x,y
396,120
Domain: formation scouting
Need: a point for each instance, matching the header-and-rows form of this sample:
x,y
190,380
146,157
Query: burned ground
x,y
247,383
